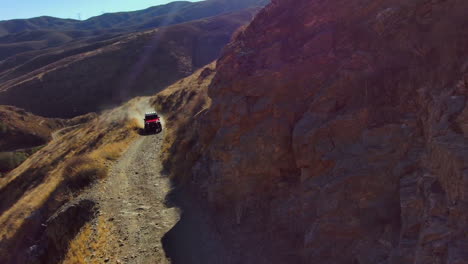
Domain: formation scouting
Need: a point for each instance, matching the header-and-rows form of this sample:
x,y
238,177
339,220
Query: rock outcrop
x,y
338,134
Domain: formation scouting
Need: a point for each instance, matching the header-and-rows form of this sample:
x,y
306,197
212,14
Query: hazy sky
x,y
11,9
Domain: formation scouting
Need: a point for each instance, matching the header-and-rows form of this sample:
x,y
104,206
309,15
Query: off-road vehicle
x,y
152,123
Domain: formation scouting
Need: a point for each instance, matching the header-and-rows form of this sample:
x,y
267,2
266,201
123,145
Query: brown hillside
x,y
42,203
37,220
337,133
19,36
20,129
327,132
22,134
182,103
140,63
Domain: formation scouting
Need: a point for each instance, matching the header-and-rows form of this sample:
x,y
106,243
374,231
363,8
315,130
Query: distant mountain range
x,y
22,35
163,15
70,63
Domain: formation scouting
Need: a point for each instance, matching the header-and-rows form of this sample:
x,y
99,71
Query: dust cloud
x,y
133,111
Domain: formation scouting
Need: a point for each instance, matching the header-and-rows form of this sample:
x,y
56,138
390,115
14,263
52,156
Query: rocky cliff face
x,y
338,134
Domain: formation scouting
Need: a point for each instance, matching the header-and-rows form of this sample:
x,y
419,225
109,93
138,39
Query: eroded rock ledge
x,y
338,134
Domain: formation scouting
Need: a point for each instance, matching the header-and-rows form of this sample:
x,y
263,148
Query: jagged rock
x,y
63,226
337,134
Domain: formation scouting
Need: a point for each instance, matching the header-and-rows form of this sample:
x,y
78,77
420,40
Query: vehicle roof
x,y
151,113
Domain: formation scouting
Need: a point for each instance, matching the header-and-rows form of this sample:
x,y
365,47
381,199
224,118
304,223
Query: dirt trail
x,y
143,230
132,200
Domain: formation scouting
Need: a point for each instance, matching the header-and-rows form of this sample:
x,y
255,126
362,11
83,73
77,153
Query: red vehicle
x,y
152,123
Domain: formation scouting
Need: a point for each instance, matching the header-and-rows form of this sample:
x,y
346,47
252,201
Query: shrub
x,y
11,160
33,150
3,128
80,172
112,152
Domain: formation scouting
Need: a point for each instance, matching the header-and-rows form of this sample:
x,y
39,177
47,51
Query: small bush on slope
x,y
3,128
10,160
81,172
57,173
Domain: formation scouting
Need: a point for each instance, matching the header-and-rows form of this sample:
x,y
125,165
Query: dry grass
x,y
20,129
182,104
81,172
78,246
11,160
3,128
80,156
88,243
113,151
75,159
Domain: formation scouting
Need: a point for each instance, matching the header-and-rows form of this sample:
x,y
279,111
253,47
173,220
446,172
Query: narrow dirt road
x,y
135,226
132,200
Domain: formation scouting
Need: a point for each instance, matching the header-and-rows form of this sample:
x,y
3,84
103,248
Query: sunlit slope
x,y
41,198
32,193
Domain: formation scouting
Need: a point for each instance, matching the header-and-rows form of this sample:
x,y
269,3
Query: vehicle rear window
x,y
149,117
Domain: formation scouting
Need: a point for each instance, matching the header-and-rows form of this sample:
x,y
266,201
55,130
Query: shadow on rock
x,y
44,238
194,239
143,132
